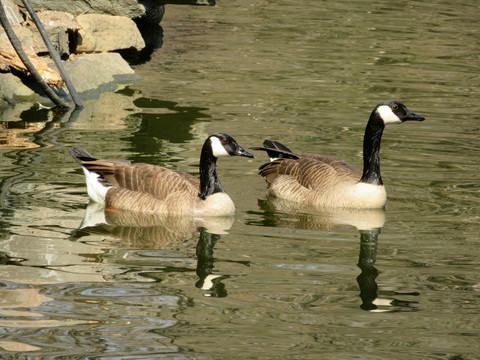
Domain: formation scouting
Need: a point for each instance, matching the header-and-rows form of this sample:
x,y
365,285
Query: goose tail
x,y
97,187
80,154
276,150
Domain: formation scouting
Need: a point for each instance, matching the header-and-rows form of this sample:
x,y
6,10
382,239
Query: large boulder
x,y
13,91
129,8
96,34
9,59
13,12
92,74
59,27
145,11
23,34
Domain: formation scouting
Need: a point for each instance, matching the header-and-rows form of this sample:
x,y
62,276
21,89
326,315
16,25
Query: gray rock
x,y
149,11
96,33
187,2
58,37
58,18
13,13
24,35
58,26
13,90
92,74
129,8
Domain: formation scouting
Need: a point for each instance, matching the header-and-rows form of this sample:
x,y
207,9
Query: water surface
x,y
276,282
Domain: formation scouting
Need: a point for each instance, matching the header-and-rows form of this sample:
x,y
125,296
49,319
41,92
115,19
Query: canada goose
x,y
119,184
329,182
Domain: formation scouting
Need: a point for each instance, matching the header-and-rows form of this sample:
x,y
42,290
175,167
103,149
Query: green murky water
x,y
279,284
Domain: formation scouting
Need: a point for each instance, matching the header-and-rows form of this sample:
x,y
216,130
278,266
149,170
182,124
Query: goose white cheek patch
x,y
387,115
217,148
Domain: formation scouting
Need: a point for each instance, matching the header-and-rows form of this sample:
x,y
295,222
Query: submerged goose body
x,y
323,181
119,184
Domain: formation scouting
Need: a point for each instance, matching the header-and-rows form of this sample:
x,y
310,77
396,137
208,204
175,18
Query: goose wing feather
x,y
312,172
154,180
150,179
343,168
146,188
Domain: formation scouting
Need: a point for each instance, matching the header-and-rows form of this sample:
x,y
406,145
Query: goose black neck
x,y
209,183
371,150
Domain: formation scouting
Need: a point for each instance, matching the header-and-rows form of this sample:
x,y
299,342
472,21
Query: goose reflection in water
x,y
366,280
148,231
284,213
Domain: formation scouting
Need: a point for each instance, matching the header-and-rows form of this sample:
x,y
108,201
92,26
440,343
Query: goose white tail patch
x,y
96,190
218,149
387,115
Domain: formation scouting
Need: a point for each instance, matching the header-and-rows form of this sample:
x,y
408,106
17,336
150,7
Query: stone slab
x,y
96,34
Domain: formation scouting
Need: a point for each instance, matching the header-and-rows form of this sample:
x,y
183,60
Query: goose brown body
x,y
321,181
324,181
119,184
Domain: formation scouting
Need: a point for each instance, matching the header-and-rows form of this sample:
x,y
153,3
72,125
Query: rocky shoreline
x,y
93,38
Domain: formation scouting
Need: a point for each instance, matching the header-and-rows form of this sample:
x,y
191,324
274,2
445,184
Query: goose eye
x,y
395,107
224,141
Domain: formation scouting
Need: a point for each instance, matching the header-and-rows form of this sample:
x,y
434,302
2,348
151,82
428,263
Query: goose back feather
x,y
317,180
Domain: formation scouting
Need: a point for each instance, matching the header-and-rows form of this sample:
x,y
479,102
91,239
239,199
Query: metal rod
x,y
53,54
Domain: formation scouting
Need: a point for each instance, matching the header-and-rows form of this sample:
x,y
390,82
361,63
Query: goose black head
x,y
223,144
394,112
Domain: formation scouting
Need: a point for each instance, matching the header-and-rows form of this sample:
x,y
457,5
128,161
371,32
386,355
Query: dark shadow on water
x,y
153,36
167,122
